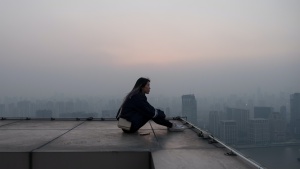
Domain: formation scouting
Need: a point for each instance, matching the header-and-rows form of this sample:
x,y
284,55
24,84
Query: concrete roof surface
x,y
90,144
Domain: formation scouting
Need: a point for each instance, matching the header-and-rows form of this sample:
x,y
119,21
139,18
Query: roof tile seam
x,y
9,123
154,134
56,137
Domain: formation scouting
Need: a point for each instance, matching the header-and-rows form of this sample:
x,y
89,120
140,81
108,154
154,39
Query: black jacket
x,y
138,104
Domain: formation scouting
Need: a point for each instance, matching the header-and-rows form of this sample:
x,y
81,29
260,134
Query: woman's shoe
x,y
176,127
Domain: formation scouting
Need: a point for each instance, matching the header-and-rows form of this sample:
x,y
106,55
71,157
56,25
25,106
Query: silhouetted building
x,y
12,110
283,112
109,113
69,106
24,108
295,114
2,110
259,133
278,126
241,117
262,112
59,108
81,105
50,105
78,115
43,113
228,131
189,108
214,121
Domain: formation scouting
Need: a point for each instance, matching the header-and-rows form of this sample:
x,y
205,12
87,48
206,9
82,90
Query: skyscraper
x,y
2,110
214,120
295,114
228,131
283,112
241,116
262,112
24,108
189,108
277,127
259,131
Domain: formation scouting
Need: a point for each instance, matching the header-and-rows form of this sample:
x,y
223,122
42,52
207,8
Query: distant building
x,y
2,110
24,108
295,114
262,112
59,108
283,112
81,105
241,117
80,114
50,106
12,110
278,127
228,131
43,113
189,108
109,113
214,120
259,133
69,107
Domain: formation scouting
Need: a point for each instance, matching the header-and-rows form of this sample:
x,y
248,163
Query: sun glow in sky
x,y
238,44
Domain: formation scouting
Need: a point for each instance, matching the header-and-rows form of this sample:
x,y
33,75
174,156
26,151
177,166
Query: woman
x,y
137,111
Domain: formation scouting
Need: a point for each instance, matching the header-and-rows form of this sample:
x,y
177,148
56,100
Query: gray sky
x,y
97,47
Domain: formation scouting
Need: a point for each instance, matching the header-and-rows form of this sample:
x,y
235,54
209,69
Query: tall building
x,y
189,108
214,120
241,117
25,108
259,133
12,110
43,113
81,105
262,112
2,110
295,114
109,113
69,107
49,105
228,131
278,127
283,112
59,108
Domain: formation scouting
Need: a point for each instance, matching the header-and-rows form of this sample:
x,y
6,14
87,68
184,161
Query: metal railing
x,y
206,134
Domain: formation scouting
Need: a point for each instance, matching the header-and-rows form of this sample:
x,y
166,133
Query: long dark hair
x,y
137,88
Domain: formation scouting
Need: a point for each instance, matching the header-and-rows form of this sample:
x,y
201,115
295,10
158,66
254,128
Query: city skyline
x,y
235,123
253,103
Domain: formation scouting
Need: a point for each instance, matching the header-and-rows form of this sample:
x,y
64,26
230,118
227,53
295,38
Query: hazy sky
x,y
96,47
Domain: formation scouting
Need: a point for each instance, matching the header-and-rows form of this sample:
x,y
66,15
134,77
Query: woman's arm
x,y
147,109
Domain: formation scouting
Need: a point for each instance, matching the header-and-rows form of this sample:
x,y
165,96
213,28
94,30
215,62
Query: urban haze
x,y
207,61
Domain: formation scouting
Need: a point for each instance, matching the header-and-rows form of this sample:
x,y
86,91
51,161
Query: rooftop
x,y
100,143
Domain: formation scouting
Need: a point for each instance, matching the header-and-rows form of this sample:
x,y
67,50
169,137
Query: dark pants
x,y
139,121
